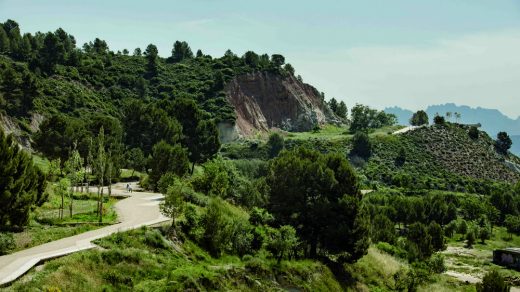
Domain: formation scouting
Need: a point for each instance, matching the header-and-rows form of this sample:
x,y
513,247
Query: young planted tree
x,y
100,168
174,204
74,170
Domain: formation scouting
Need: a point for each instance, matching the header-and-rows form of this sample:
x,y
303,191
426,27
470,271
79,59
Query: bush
x,y
439,120
361,145
6,242
436,264
473,133
493,282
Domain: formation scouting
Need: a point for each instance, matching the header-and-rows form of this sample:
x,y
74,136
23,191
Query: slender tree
x,y
101,162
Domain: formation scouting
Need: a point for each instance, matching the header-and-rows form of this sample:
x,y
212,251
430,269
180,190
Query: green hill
x,y
440,156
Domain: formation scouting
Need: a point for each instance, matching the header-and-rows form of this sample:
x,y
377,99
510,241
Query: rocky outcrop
x,y
265,100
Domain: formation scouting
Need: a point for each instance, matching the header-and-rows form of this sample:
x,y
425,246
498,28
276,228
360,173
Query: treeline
x,y
52,74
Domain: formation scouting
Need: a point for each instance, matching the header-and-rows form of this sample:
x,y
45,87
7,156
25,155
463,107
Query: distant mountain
x,y
492,120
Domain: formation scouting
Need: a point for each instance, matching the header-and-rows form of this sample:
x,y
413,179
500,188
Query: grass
x,y
335,133
46,226
478,260
143,260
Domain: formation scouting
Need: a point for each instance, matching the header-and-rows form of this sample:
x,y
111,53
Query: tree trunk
x,y
101,204
71,200
61,207
192,167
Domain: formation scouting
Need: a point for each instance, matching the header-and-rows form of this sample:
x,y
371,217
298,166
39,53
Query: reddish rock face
x,y
264,100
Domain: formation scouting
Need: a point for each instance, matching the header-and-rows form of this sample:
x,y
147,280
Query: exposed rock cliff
x,y
265,100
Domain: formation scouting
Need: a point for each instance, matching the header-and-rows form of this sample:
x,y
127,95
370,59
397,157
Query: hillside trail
x,y
138,209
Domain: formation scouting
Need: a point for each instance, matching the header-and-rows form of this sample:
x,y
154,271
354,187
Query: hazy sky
x,y
409,53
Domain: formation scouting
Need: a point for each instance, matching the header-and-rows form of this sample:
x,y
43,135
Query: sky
x,y
407,53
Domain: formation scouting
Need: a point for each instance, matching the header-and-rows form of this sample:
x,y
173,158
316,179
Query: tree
x,y
493,282
449,115
181,51
125,52
419,118
152,56
318,194
277,60
174,203
437,235
333,104
206,142
457,116
251,59
503,143
275,144
289,69
439,120
401,157
484,233
4,41
361,145
470,238
100,164
342,110
137,52
281,241
199,54
418,234
473,133
512,224
167,158
364,118
74,170
135,160
21,186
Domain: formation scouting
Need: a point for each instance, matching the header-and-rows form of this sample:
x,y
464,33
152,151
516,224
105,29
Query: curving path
x,y
140,208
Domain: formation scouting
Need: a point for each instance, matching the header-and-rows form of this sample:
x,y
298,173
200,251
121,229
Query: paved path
x,y
141,208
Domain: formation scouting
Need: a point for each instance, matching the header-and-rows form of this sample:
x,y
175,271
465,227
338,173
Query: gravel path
x,y
139,209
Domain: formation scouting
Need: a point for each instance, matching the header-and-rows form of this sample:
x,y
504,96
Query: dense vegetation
x,y
317,211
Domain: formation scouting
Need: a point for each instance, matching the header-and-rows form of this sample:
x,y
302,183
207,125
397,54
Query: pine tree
x,y
19,184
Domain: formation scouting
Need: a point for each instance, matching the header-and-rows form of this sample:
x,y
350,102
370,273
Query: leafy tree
x,y
74,170
319,196
342,110
137,52
503,143
4,41
462,227
470,238
449,115
135,160
275,144
418,234
473,133
364,118
419,118
484,233
281,241
437,235
206,142
181,51
20,184
401,157
333,104
383,229
152,57
439,120
277,60
512,224
251,59
361,145
289,69
174,204
100,165
167,158
199,54
493,282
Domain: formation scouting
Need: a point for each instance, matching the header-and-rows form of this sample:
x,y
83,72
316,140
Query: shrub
x,y
275,144
473,133
493,282
361,145
436,263
6,242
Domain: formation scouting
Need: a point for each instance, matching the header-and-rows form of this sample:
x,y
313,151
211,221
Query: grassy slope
x,y
142,260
